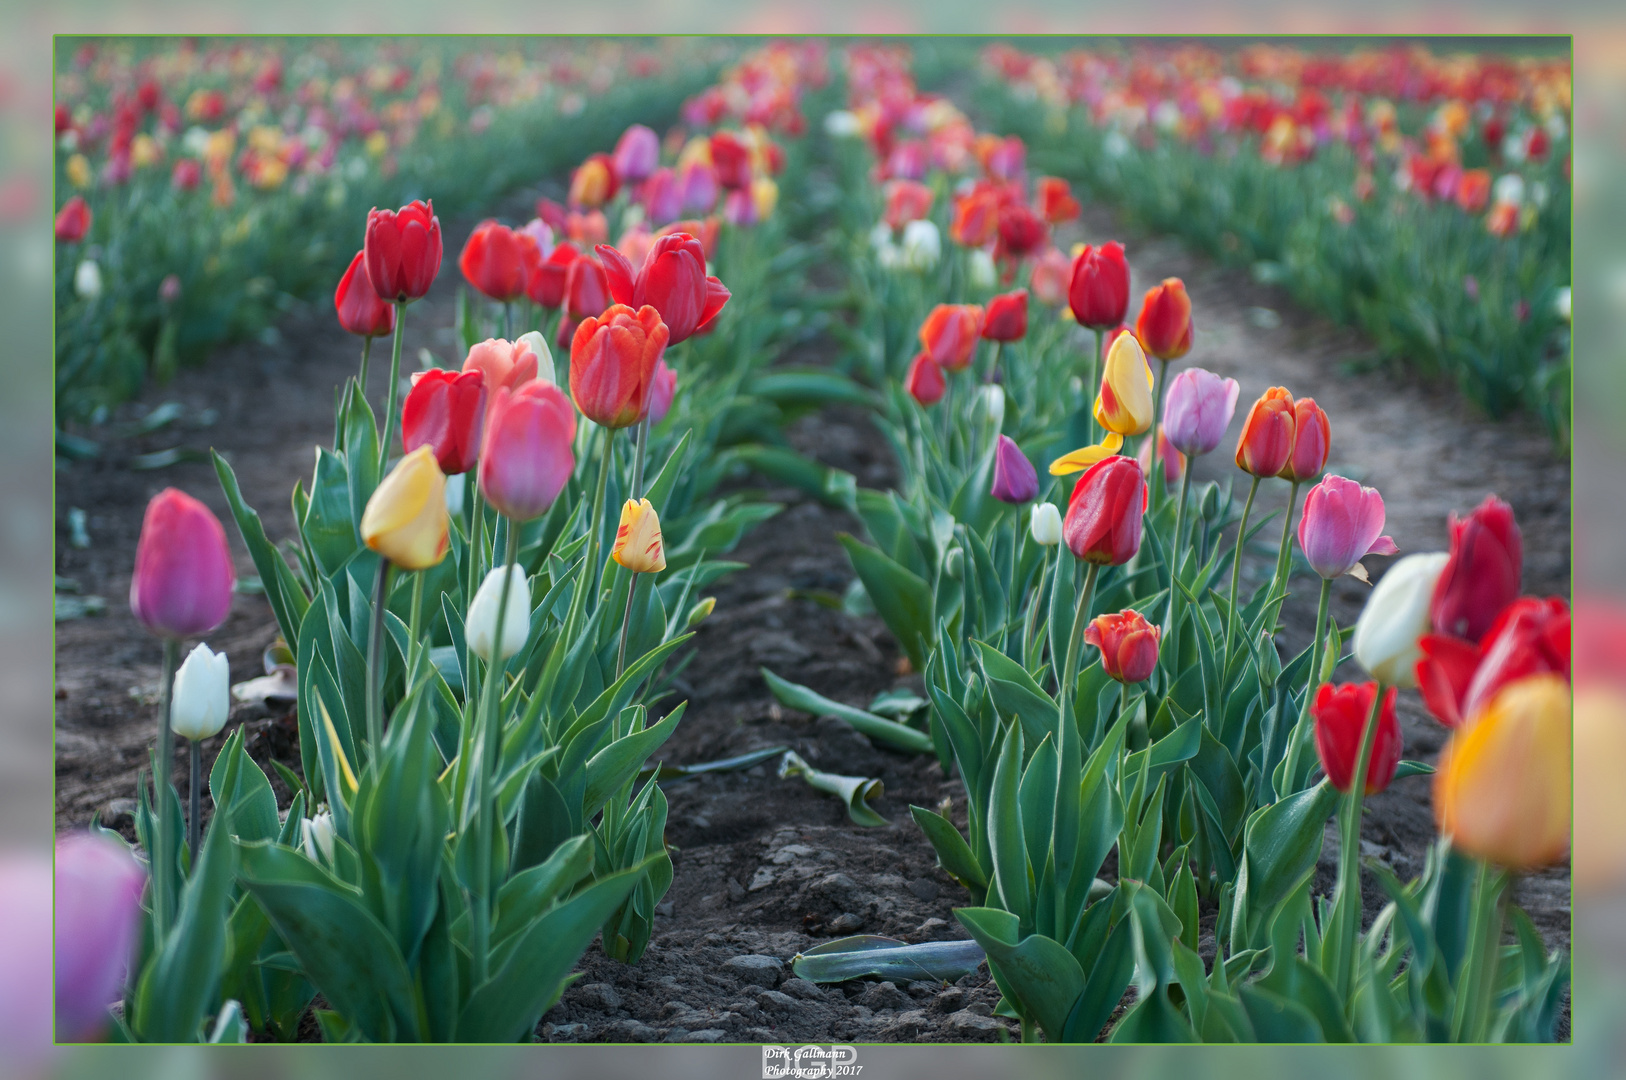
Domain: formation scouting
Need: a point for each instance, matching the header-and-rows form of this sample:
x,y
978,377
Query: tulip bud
x,y
403,250
1197,408
1128,645
924,380
1124,405
537,345
1045,525
73,220
87,280
1267,434
481,623
98,917
406,520
1341,714
638,544
1098,292
1484,573
316,837
201,700
612,364
700,612
445,411
183,581
526,457
950,334
1007,317
1502,790
1021,231
358,305
922,246
491,262
1015,479
991,399
976,217
1104,515
1341,524
980,270
1312,439
1164,325
1395,617
637,153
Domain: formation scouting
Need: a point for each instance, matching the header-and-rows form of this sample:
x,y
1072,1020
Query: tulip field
x,y
761,541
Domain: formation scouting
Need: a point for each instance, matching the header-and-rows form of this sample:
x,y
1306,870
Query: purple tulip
x,y
1340,525
25,961
697,183
636,154
1197,409
183,577
98,913
1015,479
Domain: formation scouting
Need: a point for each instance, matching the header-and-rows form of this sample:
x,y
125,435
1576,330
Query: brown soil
x,y
767,867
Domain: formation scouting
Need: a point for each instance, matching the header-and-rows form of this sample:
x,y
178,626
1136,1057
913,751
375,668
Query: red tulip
x,y
73,220
491,261
1056,202
1099,290
186,175
587,290
612,364
1312,440
906,201
924,380
525,456
1007,317
672,280
731,159
1104,515
545,283
1267,434
403,250
445,410
950,334
1128,645
976,217
1164,325
1484,573
183,570
1458,678
1341,713
360,309
1021,231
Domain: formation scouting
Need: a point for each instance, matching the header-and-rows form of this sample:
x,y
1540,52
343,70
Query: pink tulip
x,y
526,457
1197,409
1341,524
637,153
184,577
98,912
25,962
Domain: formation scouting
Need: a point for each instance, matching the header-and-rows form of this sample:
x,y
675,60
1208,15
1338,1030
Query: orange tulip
x,y
1312,440
1267,434
1164,325
612,364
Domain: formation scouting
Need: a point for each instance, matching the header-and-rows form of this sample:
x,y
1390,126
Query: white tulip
x,y
1561,303
87,280
981,270
544,356
922,245
1509,188
317,837
1046,524
842,124
455,486
1395,616
201,699
992,397
481,624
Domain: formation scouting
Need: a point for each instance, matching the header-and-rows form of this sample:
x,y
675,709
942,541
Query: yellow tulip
x,y
1085,456
638,544
1124,404
1599,856
406,520
765,194
1502,792
78,170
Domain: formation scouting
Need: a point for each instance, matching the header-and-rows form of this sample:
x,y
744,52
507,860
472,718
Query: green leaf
x,y
1011,881
833,487
857,792
1280,847
887,958
1015,693
894,734
618,763
953,853
1039,971
328,527
282,589
901,598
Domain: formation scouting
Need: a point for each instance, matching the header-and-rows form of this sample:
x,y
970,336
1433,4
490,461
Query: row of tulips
x,y
205,185
478,657
1122,696
1435,220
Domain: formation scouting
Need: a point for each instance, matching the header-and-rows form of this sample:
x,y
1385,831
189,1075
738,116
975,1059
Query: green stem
x,y
194,801
471,574
375,661
993,365
595,523
366,351
387,436
1348,896
1159,482
415,618
626,622
1033,608
1093,387
1478,987
639,443
163,871
1300,736
490,746
508,320
1236,572
1075,640
1285,553
1174,556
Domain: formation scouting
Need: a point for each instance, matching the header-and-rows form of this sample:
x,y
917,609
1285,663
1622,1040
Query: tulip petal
x,y
618,273
1085,456
1383,545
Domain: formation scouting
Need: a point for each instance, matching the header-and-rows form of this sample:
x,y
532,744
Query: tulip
x,y
980,269
87,280
1050,277
186,175
1340,526
922,245
1484,573
1172,460
1312,438
1164,324
1021,231
1502,790
660,197
1104,515
361,311
1267,434
1128,645
906,201
638,544
1045,526
445,411
1098,292
731,159
976,217
491,262
183,581
612,364
697,187
1007,317
403,250
545,282
637,153
1341,714
481,624
764,197
73,220
534,343
505,364
201,699
950,334
526,457
1124,405
316,837
594,182
1197,409
672,280
1055,198
661,392
405,520
1458,678
635,243
98,919
587,289
1015,479
1395,617
991,403
924,380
